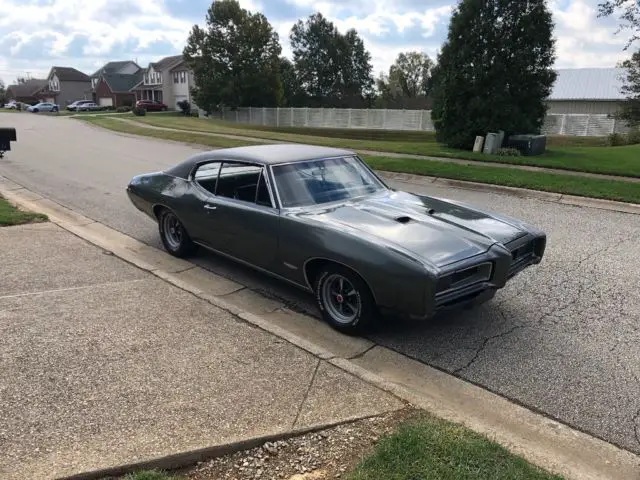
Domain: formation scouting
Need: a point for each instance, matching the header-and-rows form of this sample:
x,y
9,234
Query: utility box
x,y
477,146
528,145
491,144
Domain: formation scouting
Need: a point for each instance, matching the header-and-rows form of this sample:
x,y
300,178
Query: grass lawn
x,y
426,448
549,182
10,215
579,156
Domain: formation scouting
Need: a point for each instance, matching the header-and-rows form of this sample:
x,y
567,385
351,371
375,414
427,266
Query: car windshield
x,y
320,181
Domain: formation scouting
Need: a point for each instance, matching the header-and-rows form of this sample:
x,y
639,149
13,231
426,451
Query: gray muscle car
x,y
322,220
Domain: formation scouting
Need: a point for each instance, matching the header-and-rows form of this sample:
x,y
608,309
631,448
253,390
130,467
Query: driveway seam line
x,y
72,289
306,394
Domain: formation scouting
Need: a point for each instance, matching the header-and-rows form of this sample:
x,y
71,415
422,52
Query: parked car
x,y
43,107
90,106
152,105
12,105
322,220
73,106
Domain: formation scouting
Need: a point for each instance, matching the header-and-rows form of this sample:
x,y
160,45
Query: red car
x,y
152,105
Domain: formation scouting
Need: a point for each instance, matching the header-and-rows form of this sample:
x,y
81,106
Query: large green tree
x,y
631,88
334,69
494,72
407,83
629,16
235,59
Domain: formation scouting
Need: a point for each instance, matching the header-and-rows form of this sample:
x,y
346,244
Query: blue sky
x,y
36,34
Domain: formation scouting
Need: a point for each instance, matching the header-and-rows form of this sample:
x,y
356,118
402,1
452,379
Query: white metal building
x,y
587,91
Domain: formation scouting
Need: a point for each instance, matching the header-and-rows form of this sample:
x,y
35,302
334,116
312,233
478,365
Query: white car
x,y
86,107
43,107
11,105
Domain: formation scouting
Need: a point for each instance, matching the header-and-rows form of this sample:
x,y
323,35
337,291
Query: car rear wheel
x,y
54,109
35,110
344,299
174,236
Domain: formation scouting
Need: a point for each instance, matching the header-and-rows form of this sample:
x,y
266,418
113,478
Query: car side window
x,y
206,175
262,194
239,181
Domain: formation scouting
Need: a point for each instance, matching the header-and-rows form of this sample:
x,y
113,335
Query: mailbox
x,y
7,135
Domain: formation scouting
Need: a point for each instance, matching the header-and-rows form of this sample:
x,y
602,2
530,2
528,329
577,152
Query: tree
x,y
631,107
407,84
494,71
235,59
292,94
333,69
629,16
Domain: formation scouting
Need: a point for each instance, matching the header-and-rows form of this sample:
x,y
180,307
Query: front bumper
x,y
453,290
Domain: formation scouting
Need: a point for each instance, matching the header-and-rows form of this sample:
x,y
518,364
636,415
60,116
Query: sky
x,y
85,34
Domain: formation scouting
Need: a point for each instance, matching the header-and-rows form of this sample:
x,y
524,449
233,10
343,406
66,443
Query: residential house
x,y
120,73
32,91
66,85
587,90
114,89
167,80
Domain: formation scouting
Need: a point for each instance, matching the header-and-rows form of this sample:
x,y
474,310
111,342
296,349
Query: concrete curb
x,y
192,457
542,441
585,202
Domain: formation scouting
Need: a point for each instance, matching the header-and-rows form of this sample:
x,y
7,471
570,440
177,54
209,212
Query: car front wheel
x,y
174,236
344,300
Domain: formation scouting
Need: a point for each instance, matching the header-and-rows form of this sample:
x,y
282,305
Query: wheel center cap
x,y
340,298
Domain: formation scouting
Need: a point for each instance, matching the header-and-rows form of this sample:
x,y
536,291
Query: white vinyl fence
x,y
417,120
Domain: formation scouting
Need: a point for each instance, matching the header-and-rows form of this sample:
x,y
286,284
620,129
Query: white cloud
x,y
36,35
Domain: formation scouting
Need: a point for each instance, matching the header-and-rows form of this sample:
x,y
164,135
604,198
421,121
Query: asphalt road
x,y
562,338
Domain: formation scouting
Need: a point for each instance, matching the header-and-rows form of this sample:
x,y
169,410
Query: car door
x,y
246,213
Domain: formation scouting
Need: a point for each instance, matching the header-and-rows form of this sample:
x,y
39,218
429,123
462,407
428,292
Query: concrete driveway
x,y
563,338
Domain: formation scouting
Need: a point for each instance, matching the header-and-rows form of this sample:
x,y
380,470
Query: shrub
x,y
617,139
123,109
508,152
185,107
139,111
633,137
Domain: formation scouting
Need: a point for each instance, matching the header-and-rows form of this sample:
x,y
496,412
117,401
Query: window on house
x,y
176,77
183,77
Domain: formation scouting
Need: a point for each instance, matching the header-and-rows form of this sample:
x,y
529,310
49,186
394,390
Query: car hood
x,y
435,230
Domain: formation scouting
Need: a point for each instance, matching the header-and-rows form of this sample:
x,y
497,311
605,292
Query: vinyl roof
x,y
588,84
264,154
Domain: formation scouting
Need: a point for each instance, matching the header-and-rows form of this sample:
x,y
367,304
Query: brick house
x,y
114,89
66,85
32,91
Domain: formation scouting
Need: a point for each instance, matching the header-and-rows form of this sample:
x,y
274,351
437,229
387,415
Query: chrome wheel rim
x,y
173,232
341,299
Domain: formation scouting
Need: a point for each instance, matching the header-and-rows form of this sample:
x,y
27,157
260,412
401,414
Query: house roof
x,y
166,62
113,67
29,88
69,74
588,84
122,82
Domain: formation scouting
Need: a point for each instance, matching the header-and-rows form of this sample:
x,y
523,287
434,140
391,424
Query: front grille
x,y
463,278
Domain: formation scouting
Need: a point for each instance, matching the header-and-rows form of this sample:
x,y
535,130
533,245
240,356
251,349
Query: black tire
x,y
174,236
357,303
54,109
164,109
35,110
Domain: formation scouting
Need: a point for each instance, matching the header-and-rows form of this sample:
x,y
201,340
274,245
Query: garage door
x,y
180,98
50,100
105,101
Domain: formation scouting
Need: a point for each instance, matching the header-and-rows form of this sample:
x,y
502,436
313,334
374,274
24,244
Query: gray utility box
x,y
491,144
528,145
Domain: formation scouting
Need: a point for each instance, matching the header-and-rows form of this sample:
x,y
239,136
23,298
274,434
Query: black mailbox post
x,y
7,135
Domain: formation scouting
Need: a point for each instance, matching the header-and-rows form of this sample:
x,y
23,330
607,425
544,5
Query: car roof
x,y
270,154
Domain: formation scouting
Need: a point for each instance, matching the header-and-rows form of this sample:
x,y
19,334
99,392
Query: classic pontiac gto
x,y
322,220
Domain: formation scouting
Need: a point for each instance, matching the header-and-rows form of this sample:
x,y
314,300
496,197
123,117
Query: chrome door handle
x,y
210,207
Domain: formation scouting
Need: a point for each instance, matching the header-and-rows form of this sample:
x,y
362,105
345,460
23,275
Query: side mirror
x,y
7,135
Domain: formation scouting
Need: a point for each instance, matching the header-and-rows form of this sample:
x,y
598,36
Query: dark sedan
x,y
322,220
152,105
